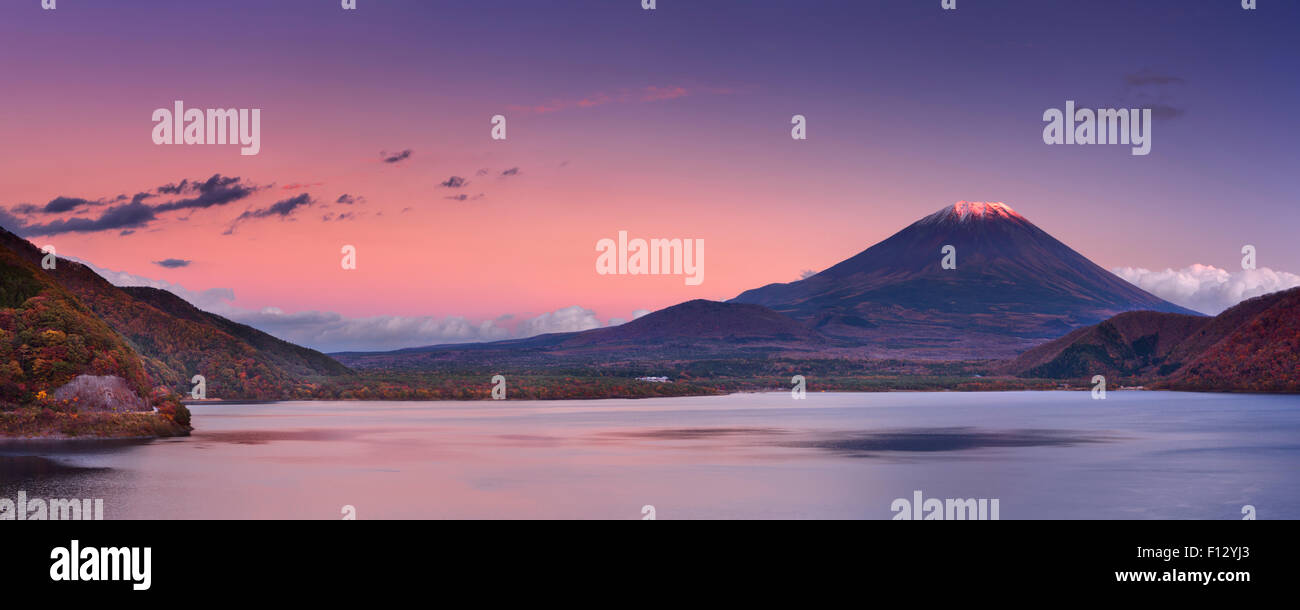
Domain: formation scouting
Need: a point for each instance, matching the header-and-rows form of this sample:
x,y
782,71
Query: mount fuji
x,y
1013,286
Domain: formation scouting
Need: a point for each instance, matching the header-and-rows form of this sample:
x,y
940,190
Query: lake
x,y
1134,455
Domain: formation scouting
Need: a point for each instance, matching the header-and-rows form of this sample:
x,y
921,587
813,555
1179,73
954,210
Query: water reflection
x,y
1044,454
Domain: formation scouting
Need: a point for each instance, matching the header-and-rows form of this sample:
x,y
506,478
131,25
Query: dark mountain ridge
x,y
1130,344
1253,346
694,329
1014,286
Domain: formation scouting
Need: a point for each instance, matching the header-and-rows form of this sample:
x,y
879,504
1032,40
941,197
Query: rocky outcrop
x,y
101,393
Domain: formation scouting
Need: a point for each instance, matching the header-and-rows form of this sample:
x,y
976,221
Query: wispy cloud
x,y
332,217
217,190
173,263
1158,91
126,216
454,182
281,209
59,205
395,157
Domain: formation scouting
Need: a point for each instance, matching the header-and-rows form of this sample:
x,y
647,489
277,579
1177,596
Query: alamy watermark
x,y
1102,126
498,387
131,564
498,131
50,258
949,260
950,509
52,509
1099,387
179,125
651,257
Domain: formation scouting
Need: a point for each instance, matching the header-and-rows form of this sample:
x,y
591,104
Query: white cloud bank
x,y
1208,289
328,331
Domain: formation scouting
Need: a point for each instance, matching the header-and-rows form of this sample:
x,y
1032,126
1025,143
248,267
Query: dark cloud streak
x,y
217,190
396,157
282,209
173,263
454,182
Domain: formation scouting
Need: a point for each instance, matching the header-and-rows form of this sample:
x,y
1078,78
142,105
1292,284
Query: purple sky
x,y
673,122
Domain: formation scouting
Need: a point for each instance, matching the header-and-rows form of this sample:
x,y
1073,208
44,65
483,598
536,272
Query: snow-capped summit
x,y
964,210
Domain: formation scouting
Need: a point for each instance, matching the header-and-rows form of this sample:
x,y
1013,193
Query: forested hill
x,y
293,358
1252,347
177,341
48,337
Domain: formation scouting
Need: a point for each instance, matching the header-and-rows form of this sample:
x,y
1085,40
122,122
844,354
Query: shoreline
x,y
62,439
19,426
737,392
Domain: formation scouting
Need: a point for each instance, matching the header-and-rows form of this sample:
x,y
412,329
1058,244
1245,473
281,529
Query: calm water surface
x,y
1135,455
